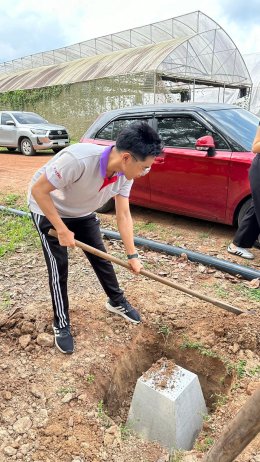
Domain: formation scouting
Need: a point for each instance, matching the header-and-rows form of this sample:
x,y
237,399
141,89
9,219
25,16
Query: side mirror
x,y
10,122
206,143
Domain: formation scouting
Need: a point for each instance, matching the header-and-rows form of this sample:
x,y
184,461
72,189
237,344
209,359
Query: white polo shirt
x,y
78,173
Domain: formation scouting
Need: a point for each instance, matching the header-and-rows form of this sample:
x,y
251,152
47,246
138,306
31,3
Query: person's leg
x,y
57,264
245,236
254,176
87,230
248,230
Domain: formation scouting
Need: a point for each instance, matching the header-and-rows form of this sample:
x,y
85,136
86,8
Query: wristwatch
x,y
133,255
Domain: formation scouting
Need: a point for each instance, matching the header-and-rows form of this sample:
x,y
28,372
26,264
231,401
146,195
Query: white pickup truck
x,y
28,132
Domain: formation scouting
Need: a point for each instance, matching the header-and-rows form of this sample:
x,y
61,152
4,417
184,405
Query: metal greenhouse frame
x,y
189,57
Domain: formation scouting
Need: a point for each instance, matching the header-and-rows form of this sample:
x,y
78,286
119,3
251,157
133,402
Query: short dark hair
x,y
139,139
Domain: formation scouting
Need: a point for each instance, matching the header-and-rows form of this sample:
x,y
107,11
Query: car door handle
x,y
159,160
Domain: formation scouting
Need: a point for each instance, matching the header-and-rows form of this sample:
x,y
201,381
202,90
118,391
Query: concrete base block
x,y
168,406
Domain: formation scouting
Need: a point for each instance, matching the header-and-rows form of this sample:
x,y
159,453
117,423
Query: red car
x,y
203,170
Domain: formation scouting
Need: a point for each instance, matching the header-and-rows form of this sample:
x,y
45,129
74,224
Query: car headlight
x,y
38,131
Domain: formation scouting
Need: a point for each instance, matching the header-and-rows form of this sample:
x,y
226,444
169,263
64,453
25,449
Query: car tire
x,y
11,149
247,204
107,207
56,150
26,147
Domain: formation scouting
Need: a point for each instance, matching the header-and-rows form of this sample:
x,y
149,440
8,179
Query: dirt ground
x,y
56,408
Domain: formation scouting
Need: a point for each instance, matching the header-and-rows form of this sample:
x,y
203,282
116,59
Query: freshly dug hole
x,y
146,349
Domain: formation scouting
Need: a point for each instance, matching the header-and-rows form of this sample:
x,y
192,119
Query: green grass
x,y
220,291
250,294
145,227
65,390
204,445
240,368
100,409
10,200
15,201
220,399
164,330
15,233
90,378
204,235
125,431
255,371
5,301
177,456
188,344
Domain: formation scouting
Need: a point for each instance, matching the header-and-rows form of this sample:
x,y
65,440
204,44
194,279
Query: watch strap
x,y
133,255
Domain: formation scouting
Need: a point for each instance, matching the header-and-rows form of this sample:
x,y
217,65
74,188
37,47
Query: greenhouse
x,y
187,58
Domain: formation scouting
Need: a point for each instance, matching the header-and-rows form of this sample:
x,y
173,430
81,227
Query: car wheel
x,y
11,149
243,210
26,147
107,207
56,150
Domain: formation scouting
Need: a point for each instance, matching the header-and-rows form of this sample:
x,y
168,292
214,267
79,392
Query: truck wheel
x,y
26,147
56,150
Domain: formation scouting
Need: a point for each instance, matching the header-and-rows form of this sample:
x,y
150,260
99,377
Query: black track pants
x,y
249,228
86,230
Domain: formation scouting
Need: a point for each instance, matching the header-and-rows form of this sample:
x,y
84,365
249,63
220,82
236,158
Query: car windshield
x,y
240,124
28,118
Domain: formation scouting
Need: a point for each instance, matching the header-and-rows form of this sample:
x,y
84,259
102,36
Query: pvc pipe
x,y
204,259
17,212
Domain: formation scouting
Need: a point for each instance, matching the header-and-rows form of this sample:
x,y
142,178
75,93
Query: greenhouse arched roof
x,y
192,47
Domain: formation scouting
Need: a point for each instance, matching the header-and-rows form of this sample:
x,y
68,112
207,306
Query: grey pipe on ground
x,y
222,265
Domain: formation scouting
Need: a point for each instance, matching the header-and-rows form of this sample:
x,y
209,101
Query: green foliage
x,y
145,227
10,200
5,301
220,291
16,232
239,368
19,100
90,378
204,444
177,456
164,330
125,431
100,408
188,344
65,390
219,399
250,294
255,371
204,235
14,200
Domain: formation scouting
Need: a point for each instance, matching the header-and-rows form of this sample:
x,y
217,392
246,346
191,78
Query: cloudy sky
x,y
27,26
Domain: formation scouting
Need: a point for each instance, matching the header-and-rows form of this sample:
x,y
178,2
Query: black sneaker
x,y
124,309
63,339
